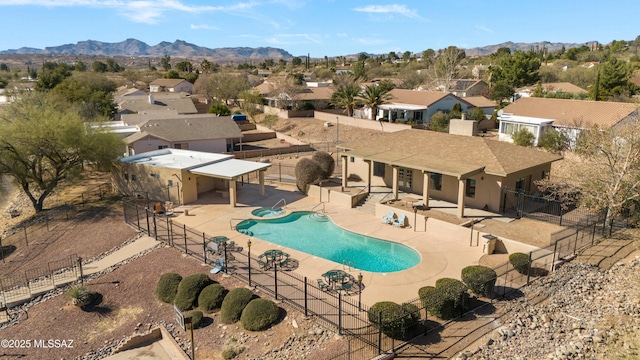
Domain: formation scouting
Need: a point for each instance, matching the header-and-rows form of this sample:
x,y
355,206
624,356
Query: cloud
x,y
141,11
203,27
393,9
370,41
286,39
484,28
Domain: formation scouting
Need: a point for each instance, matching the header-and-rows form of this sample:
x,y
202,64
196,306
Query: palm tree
x,y
373,96
346,96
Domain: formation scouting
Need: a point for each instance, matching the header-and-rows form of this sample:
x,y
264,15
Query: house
x,y
182,176
14,88
467,170
417,106
565,87
465,87
300,98
567,116
205,132
179,102
171,85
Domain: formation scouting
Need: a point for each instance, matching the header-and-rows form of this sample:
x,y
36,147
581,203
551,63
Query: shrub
x,y
520,262
269,120
167,287
325,162
480,279
523,137
219,109
189,289
233,304
232,352
211,297
396,319
259,314
307,172
196,318
446,300
81,296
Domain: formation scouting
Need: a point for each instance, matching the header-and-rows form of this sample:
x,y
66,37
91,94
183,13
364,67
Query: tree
x,y
90,93
165,62
500,91
99,67
478,115
538,92
52,75
251,102
81,66
113,66
518,70
43,141
185,66
439,122
171,74
226,87
447,64
523,137
612,79
296,61
373,96
346,96
553,140
219,108
610,177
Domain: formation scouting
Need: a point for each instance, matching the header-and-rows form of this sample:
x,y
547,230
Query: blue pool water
x,y
267,212
317,235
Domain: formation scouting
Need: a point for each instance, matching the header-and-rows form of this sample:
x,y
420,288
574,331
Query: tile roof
x,y
480,101
168,82
162,101
573,113
424,98
189,128
455,155
314,93
564,86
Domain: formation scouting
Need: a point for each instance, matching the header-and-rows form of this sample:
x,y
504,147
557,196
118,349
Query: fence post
x,y
593,234
575,245
204,248
168,229
275,279
380,332
51,273
529,268
148,226
339,313
553,261
79,260
306,306
124,210
184,231
137,217
2,251
155,227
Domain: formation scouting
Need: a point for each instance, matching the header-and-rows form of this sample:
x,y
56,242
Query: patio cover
x,y
400,106
418,161
229,169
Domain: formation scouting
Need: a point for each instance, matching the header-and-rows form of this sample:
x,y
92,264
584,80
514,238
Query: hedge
x,y
520,262
189,289
167,287
259,314
480,279
446,299
396,319
233,304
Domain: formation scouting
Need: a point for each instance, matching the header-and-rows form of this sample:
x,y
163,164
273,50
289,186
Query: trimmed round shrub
x,y
259,314
520,262
196,318
211,297
307,172
447,300
233,304
167,287
325,162
480,279
428,295
189,289
396,319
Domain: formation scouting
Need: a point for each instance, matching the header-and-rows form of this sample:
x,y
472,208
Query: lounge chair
x,y
219,265
322,285
388,219
400,221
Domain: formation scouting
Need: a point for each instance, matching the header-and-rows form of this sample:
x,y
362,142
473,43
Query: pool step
x,y
318,217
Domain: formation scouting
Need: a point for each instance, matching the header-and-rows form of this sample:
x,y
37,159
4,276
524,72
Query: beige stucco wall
x,y
151,144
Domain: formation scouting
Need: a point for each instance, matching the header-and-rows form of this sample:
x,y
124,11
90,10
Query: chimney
x,y
464,116
151,100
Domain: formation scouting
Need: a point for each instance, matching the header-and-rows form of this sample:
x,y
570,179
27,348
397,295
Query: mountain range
x,y
183,49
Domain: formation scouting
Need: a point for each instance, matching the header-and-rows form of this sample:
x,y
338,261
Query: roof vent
x,y
151,100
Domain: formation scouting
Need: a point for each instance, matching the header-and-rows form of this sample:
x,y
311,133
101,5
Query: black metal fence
x,y
369,332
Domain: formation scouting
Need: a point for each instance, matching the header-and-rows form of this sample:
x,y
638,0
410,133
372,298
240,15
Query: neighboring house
x,y
566,87
567,116
206,132
124,91
417,106
317,97
181,103
171,85
467,170
13,88
183,176
465,87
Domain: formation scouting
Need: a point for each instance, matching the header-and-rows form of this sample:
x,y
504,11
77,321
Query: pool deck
x,y
445,248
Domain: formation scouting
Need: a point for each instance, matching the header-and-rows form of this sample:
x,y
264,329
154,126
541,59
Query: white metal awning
x,y
229,169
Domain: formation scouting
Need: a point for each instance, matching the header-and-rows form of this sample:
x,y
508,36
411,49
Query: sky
x,y
317,27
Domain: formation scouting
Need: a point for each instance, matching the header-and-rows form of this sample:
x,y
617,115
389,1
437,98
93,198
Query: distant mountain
x,y
133,47
490,49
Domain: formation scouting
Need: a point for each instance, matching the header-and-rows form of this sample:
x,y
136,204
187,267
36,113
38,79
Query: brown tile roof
x,y
573,113
480,101
167,82
564,86
315,93
197,127
455,155
424,98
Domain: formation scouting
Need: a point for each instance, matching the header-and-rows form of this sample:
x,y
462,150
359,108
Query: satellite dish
x,y
500,112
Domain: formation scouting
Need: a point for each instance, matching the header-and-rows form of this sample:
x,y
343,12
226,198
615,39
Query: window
x,y
471,188
134,178
157,176
417,115
404,177
436,181
352,159
520,185
126,176
162,147
184,146
378,169
169,183
543,175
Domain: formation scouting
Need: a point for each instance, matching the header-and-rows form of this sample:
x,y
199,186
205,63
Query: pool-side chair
x,y
219,265
400,221
388,219
322,285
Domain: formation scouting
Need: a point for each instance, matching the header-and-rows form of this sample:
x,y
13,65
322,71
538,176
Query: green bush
x,y
211,297
219,109
520,262
396,319
233,304
232,352
446,300
189,289
307,172
325,162
259,314
480,279
196,318
167,287
81,296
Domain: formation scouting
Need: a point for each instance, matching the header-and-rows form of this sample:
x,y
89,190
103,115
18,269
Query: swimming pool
x,y
268,212
317,235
